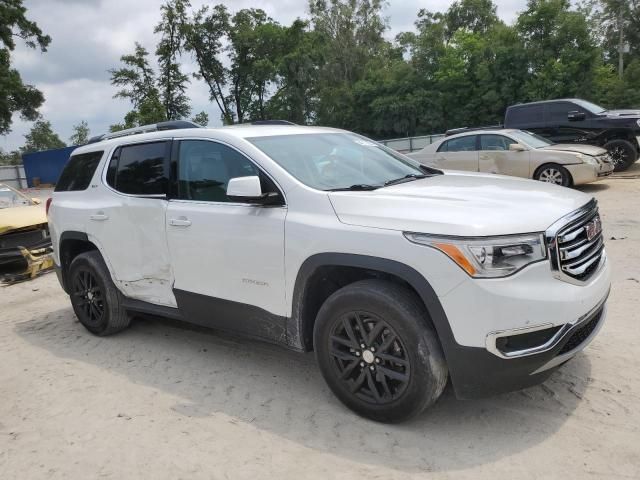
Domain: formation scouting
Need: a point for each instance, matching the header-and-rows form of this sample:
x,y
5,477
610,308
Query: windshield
x,y
531,139
332,161
12,198
592,107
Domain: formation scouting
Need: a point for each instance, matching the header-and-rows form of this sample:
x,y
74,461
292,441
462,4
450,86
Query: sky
x,y
89,36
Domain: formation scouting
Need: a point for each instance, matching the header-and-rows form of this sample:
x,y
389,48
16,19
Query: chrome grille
x,y
579,246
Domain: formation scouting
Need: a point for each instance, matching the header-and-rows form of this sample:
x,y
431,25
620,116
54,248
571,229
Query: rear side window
x,y
139,169
461,144
78,172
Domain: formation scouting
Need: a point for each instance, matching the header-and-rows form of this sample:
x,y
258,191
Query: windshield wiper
x,y
406,178
354,188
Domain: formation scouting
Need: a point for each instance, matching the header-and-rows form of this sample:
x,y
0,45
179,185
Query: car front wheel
x,y
553,173
378,352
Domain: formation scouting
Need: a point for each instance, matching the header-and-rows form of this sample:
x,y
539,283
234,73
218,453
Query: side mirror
x,y
516,147
37,201
248,190
576,116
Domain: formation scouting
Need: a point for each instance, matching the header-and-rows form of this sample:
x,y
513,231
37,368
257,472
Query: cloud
x,y
89,36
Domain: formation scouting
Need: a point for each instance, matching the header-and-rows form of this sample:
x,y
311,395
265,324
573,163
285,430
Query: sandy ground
x,y
164,401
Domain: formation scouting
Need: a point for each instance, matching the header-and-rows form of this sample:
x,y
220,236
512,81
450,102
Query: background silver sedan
x,y
517,153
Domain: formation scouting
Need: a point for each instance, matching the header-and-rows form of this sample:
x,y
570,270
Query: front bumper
x,y
21,263
585,173
477,373
517,308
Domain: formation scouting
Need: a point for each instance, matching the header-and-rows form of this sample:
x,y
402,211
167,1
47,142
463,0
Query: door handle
x,y
180,222
99,217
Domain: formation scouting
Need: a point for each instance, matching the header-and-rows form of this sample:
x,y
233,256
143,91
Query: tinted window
x,y
139,169
205,168
78,172
525,115
461,144
557,112
495,142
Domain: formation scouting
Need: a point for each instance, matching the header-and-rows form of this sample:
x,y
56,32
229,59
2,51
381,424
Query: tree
x,y
297,69
10,158
203,39
607,18
137,82
15,95
201,119
560,48
41,137
80,134
254,49
351,35
475,16
171,81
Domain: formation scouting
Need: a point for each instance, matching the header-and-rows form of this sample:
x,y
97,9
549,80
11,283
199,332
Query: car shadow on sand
x,y
282,392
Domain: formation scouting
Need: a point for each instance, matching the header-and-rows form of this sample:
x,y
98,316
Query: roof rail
x,y
272,122
454,131
154,127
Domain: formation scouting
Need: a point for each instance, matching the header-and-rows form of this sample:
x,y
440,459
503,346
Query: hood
x,y
622,113
15,218
460,204
577,148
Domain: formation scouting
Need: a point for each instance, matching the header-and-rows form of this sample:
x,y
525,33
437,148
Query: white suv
x,y
397,275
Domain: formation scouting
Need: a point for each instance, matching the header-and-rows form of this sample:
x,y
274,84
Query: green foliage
x,y
137,82
460,67
10,158
41,137
172,82
201,119
80,134
15,95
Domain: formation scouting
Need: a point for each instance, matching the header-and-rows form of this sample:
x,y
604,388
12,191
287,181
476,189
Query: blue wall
x,y
47,165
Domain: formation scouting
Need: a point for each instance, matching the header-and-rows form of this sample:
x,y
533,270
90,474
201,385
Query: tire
x,y
623,154
553,173
95,299
406,355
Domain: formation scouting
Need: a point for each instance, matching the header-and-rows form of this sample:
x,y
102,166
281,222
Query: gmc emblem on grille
x,y
593,228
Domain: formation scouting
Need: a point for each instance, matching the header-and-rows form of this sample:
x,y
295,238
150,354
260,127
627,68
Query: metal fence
x,y
411,144
13,176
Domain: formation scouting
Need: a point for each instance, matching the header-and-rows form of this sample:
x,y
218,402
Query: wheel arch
x,y
72,244
316,281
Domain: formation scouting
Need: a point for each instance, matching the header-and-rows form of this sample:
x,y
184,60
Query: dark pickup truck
x,y
573,120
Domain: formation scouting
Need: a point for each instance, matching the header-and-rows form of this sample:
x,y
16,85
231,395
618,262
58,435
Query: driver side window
x,y
495,143
205,168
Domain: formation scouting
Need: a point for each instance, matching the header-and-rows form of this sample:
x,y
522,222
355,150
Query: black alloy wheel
x,y
96,301
369,357
88,296
378,351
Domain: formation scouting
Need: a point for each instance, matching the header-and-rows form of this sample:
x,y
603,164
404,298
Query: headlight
x,y
589,159
487,257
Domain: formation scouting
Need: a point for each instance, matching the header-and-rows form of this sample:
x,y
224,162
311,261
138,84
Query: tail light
x,y
48,205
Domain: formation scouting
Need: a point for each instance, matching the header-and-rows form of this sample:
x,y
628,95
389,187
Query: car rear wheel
x,y
95,299
623,154
378,352
553,173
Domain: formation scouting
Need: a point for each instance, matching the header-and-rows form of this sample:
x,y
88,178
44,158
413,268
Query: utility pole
x,y
620,44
